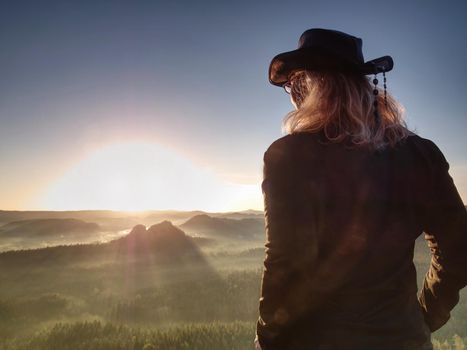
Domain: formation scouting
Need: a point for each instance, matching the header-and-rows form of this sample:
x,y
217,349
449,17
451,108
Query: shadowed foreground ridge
x,y
99,336
94,335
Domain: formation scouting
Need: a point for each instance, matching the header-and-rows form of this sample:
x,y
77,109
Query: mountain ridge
x,y
47,227
221,227
162,242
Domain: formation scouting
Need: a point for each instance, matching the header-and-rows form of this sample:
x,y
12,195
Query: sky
x,y
140,104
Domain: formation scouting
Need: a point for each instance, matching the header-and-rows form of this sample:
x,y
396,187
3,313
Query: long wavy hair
x,y
342,105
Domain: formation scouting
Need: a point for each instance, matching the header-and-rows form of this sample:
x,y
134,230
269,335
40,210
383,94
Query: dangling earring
x,y
375,102
384,84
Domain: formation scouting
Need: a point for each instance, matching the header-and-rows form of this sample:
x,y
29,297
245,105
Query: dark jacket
x,y
341,225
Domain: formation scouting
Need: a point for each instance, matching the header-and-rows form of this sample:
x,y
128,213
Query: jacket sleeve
x,y
446,234
281,303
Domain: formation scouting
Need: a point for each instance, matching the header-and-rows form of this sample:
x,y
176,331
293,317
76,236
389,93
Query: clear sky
x,y
96,96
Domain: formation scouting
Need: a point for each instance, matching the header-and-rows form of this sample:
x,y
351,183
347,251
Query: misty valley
x,y
143,280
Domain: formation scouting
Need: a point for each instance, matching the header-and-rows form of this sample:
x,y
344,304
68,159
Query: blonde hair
x,y
341,104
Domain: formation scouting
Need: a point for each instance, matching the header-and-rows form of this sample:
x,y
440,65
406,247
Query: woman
x,y
346,193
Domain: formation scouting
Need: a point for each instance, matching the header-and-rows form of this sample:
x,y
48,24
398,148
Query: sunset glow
x,y
142,176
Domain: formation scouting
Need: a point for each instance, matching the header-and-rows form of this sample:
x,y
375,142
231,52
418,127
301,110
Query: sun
x,y
143,176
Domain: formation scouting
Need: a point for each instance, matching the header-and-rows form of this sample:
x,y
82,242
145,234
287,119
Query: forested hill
x,y
161,243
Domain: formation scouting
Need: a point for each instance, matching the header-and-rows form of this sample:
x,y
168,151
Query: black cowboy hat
x,y
325,49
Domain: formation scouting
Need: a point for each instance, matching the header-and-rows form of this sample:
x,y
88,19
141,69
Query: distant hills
x,y
244,214
120,220
87,215
47,227
144,258
234,229
40,229
37,233
162,242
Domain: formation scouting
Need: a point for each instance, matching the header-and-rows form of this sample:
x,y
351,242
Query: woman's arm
x,y
446,234
289,250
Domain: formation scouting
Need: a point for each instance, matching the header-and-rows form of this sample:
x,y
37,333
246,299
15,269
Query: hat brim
x,y
318,58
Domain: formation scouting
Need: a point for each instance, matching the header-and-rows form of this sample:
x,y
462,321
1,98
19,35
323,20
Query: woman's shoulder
x,y
283,157
289,141
291,146
426,147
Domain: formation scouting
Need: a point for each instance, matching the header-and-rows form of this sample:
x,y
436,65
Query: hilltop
x,y
162,242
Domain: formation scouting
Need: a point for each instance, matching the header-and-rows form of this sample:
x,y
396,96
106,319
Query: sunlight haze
x,y
144,176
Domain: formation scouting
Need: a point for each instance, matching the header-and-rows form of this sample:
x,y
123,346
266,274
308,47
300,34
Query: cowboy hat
x,y
325,49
